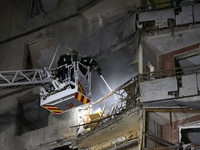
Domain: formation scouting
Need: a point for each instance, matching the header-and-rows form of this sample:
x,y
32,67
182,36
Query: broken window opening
x,y
148,25
39,52
190,133
186,59
30,116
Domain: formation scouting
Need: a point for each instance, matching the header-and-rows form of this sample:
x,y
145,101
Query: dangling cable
x,y
54,56
57,50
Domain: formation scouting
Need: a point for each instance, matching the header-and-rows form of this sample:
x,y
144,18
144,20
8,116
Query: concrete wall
x,y
167,88
189,85
57,130
157,89
153,127
150,54
17,21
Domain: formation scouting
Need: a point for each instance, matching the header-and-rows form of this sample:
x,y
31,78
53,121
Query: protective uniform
x,y
88,61
66,59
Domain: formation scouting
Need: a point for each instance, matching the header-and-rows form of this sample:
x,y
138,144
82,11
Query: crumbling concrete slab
x,y
125,123
185,16
189,85
160,17
157,89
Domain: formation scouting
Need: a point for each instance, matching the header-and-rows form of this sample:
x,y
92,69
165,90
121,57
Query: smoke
x,y
116,70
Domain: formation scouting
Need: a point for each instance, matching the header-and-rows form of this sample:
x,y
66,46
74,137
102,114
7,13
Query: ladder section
x,y
23,77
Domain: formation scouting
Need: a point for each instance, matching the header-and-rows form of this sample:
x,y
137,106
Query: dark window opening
x,y
187,59
190,135
187,135
30,116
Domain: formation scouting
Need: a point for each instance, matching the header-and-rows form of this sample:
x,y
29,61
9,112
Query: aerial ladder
x,y
55,95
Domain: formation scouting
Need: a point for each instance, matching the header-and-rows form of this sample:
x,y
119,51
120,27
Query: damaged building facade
x,y
149,53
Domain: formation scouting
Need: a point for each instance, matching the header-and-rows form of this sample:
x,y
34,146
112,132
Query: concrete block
x,y
189,85
157,89
196,12
160,17
186,16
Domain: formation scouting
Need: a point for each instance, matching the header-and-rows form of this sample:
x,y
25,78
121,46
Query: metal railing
x,y
163,5
126,98
128,93
169,73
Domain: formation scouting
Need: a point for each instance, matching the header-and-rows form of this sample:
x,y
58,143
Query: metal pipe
x,y
70,49
54,56
170,115
112,92
158,139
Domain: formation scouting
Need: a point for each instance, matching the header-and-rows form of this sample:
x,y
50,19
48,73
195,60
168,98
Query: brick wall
x,y
166,61
171,133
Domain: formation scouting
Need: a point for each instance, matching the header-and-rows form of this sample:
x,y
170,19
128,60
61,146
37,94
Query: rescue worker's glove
x,y
99,73
98,69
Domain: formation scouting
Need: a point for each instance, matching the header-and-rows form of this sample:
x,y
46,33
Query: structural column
x,y
140,59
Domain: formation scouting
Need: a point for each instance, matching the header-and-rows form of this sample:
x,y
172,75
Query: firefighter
x,y
63,60
88,61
